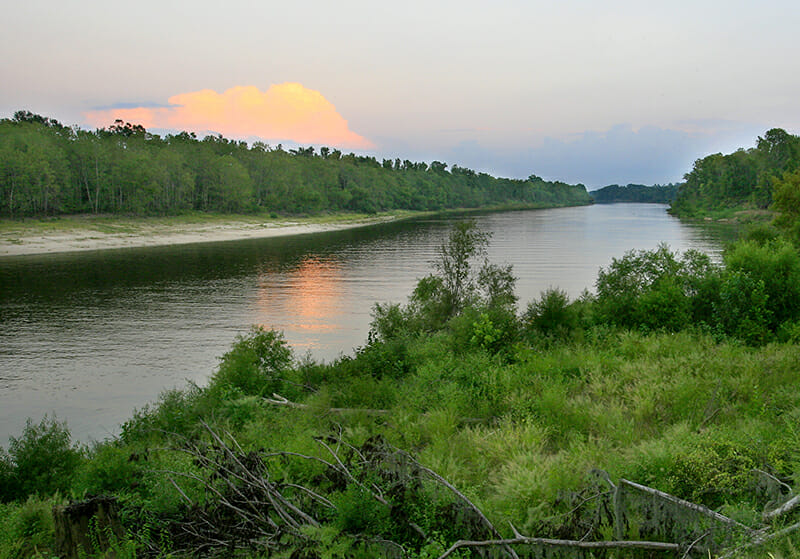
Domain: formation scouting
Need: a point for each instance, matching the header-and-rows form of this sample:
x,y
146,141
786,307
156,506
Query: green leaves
x,y
41,461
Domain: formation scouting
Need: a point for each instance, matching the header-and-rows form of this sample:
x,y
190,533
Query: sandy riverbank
x,y
86,235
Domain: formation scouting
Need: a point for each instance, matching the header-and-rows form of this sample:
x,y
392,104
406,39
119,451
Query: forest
x,y
758,178
655,194
48,169
656,416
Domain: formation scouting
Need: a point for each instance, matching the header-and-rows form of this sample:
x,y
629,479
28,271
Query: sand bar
x,y
87,235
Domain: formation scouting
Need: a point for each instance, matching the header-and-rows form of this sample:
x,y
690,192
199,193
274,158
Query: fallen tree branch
x,y
789,505
278,400
436,477
760,540
644,545
687,504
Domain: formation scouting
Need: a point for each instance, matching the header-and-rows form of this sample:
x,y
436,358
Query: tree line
x,y
47,168
757,177
656,194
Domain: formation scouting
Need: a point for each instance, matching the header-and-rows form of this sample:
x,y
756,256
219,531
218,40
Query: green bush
x,y
653,289
551,315
8,474
175,413
41,461
742,311
256,363
110,468
777,266
27,530
664,306
357,512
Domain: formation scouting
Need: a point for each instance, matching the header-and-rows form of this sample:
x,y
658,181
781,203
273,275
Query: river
x,y
91,336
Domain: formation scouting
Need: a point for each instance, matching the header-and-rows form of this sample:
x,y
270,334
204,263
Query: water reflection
x,y
307,298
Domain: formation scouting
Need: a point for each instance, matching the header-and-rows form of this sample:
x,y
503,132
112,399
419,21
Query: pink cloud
x,y
287,111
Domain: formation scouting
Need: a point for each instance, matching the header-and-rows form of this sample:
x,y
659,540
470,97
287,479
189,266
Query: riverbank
x,y
98,232
85,233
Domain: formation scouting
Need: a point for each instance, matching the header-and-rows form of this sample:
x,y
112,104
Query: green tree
x,y
454,264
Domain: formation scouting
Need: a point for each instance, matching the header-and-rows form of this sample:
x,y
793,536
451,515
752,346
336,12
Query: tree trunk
x,y
86,527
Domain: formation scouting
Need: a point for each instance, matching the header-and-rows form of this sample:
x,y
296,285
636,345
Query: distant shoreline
x,y
79,233
75,234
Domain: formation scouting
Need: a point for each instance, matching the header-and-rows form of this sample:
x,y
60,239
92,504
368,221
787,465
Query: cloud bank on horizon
x,y
284,112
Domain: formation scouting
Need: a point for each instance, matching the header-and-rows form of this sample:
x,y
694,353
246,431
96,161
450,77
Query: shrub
x,y
551,315
110,468
664,306
175,413
8,482
255,363
742,311
653,289
43,459
27,529
777,266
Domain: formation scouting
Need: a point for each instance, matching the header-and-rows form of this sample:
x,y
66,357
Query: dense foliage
x,y
656,194
47,168
753,178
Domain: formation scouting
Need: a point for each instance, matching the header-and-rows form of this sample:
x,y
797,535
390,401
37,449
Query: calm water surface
x,y
91,336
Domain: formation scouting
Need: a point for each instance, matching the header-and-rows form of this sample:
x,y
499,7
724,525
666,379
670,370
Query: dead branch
x,y
278,400
644,545
789,505
760,540
342,468
686,504
436,477
694,543
774,479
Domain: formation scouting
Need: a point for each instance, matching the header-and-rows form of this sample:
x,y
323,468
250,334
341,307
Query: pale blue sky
x,y
592,92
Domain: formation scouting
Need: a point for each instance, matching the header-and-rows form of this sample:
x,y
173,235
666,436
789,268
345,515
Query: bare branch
x,y
686,504
645,545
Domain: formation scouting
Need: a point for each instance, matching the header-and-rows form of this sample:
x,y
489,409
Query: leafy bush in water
x,y
255,363
41,461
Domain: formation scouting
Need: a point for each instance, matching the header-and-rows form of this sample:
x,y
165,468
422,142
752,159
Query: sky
x,y
580,91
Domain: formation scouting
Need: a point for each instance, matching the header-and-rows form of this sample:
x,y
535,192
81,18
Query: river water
x,y
91,336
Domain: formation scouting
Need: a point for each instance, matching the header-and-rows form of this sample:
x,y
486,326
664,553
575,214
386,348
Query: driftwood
x,y
86,527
